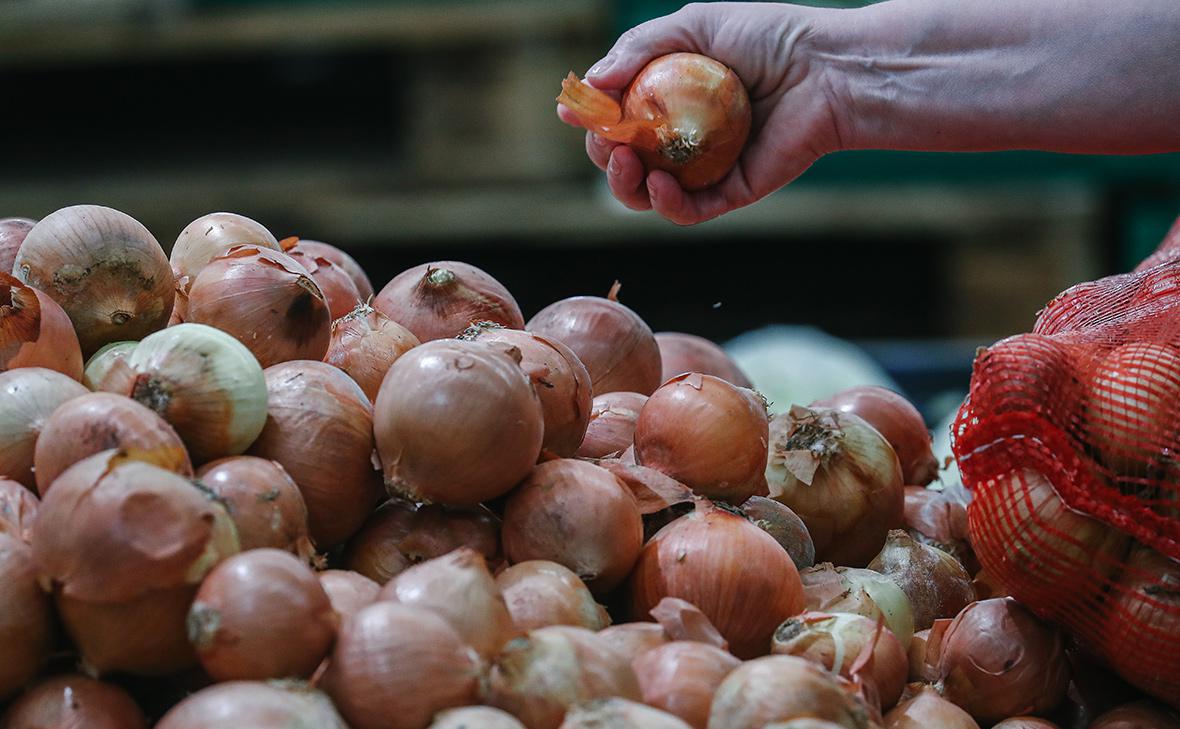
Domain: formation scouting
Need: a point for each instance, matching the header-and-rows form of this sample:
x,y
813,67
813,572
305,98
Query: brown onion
x,y
74,702
682,353
1025,722
1141,635
337,286
266,300
439,300
934,518
925,648
559,377
208,237
694,556
926,711
475,717
898,421
319,428
619,713
780,688
682,677
934,581
708,434
265,504
1131,406
864,592
611,429
348,591
634,639
777,520
396,666
26,617
540,594
99,421
578,515
538,677
254,704
337,256
30,395
616,346
102,361
18,509
459,588
841,477
35,331
1137,715
12,234
105,270
365,343
457,423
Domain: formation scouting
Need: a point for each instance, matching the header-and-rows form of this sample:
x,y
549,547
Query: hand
x,y
766,45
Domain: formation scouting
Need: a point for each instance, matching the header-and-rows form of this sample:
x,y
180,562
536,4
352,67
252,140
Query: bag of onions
x,y
1069,439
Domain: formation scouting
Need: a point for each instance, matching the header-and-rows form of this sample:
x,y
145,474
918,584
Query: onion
x,y
208,237
1131,411
319,429
935,583
203,382
475,717
254,704
683,113
18,510
12,234
738,576
365,343
1025,722
925,648
69,702
841,477
348,591
933,518
400,534
30,395
619,714
578,515
682,677
802,724
457,423
26,617
261,614
264,503
35,331
538,677
784,525
104,268
863,592
1141,635
559,377
99,421
439,300
396,666
611,429
458,588
681,353
336,284
632,640
540,594
851,645
102,361
616,346
266,300
123,592
898,421
325,250
780,688
928,710
1137,715
707,434
661,499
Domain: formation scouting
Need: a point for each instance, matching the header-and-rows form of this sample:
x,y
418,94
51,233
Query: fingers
x,y
625,177
598,149
683,30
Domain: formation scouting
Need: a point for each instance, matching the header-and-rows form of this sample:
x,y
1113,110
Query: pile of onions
x,y
265,504
616,346
26,617
266,300
318,249
319,429
348,591
74,701
681,678
578,515
401,533
99,421
365,343
457,423
781,688
898,421
926,710
30,395
18,510
559,377
933,518
210,236
396,666
841,477
123,593
254,704
336,284
683,113
102,361
261,614
12,234
105,270
777,520
611,428
935,583
440,300
1137,715
682,353
540,593
619,714
35,331
708,434
694,556
862,592
1131,413
1144,609
475,717
202,381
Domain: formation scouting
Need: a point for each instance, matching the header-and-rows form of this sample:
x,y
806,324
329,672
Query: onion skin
x,y
633,640
934,581
777,520
1137,715
927,710
681,678
540,594
932,517
26,617
99,421
74,702
475,717
619,714
898,421
18,510
30,395
254,704
611,429
681,353
780,688
348,591
102,361
440,300
12,234
35,331
365,343
105,270
337,256
861,591
208,237
264,502
337,286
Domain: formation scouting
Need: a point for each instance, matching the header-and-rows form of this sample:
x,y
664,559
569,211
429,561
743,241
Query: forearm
x,y
1091,76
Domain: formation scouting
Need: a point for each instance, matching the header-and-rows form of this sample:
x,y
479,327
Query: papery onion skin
x,y
923,652
440,300
780,688
395,667
619,714
26,617
475,717
359,278
928,710
681,678
18,509
338,288
611,428
101,362
12,234
30,395
680,353
457,423
99,421
898,421
208,237
540,594
834,589
348,591
777,520
74,702
932,517
934,581
254,704
35,331
104,268
264,502
682,620
365,343
1137,715
634,639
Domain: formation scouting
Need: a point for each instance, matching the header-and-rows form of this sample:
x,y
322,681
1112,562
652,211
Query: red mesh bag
x,y
1070,442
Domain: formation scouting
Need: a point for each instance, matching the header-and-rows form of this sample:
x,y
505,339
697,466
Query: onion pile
x,y
365,343
270,705
264,503
611,428
681,353
1132,396
360,279
35,331
440,300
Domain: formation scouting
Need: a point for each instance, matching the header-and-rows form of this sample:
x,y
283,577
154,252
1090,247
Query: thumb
x,y
683,30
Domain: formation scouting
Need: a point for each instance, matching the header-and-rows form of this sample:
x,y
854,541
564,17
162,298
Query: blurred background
x,y
414,130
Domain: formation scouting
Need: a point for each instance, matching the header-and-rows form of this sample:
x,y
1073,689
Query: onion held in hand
x,y
35,331
440,300
684,113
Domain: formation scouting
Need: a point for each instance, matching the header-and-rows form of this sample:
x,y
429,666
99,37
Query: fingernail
x,y
601,67
613,165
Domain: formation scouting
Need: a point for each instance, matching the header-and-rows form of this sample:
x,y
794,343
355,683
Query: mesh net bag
x,y
1070,442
